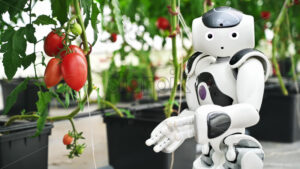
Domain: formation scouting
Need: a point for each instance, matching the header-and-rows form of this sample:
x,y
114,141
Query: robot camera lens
x,y
234,35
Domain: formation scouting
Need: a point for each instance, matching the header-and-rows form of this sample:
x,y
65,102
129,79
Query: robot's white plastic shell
x,y
222,37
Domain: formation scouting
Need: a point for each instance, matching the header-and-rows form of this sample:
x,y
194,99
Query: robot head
x,y
223,31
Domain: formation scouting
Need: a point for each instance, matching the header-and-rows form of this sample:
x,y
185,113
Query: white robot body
x,y
224,91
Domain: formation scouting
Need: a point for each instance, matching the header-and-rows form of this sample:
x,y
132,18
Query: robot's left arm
x,y
212,121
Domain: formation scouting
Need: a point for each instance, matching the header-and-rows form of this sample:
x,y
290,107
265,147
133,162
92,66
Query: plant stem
x,y
295,79
73,126
90,86
275,41
169,105
20,117
113,107
85,44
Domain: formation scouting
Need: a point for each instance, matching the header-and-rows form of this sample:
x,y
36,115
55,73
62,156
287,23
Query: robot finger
x,y
162,144
181,121
155,136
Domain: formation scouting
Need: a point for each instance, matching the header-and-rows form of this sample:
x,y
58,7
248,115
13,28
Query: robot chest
x,y
216,84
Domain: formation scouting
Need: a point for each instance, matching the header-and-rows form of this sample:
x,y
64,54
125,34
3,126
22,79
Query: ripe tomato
x,y
265,15
74,70
53,43
74,49
162,23
53,74
134,84
138,96
113,37
67,140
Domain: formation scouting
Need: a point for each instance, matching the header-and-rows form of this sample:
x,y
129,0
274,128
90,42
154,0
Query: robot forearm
x,y
212,121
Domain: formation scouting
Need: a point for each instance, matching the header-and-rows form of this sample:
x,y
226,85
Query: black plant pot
x,y
18,149
126,141
279,116
26,100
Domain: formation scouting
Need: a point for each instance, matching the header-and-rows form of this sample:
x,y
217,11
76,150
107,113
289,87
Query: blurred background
x,y
132,67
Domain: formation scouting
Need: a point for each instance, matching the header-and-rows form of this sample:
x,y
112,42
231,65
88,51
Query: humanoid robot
x,y
224,91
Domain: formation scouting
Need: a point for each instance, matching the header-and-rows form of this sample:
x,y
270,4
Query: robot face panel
x,y
223,32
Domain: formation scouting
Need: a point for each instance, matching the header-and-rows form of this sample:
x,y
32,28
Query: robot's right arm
x,y
172,132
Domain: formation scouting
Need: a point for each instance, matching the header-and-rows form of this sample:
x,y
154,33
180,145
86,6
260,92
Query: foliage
x,y
17,34
121,83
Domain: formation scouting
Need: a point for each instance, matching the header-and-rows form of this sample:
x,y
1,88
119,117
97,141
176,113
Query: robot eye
x,y
234,35
209,36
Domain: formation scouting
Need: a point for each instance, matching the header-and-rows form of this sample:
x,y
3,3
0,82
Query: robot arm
x,y
172,132
212,121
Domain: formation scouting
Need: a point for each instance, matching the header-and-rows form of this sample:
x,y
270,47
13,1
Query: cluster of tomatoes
x,y
69,62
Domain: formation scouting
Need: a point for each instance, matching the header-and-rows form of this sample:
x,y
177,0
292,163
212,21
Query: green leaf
x,y
86,5
67,99
29,31
27,60
6,36
118,17
13,96
57,98
44,20
16,48
13,7
60,10
42,107
94,21
128,113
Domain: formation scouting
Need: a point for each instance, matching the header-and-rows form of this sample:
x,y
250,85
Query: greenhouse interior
x,y
142,84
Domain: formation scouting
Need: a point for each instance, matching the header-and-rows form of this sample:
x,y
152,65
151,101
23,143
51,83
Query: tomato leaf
x,y
16,48
94,21
29,32
60,10
13,7
57,98
27,60
67,99
118,17
42,107
13,96
44,20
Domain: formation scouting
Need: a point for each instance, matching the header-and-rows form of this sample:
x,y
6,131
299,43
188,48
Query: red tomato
x,y
113,37
53,74
129,89
74,49
53,43
134,84
138,96
162,23
67,140
74,70
265,15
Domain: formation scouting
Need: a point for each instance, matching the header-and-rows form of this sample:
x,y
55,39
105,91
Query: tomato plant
x,y
68,19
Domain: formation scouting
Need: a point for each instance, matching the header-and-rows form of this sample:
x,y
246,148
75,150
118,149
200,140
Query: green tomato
x,y
80,150
76,29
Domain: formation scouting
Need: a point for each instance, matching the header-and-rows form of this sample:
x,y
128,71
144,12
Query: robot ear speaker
x,y
191,61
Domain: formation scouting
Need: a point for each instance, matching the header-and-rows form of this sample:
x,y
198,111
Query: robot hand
x,y
171,133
